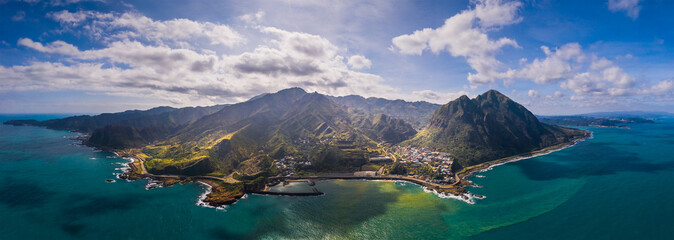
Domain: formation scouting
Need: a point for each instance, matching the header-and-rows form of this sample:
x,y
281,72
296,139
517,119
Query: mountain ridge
x,y
319,128
488,127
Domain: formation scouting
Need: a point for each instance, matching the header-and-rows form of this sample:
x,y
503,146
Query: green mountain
x,y
133,128
291,122
418,114
331,133
86,123
489,127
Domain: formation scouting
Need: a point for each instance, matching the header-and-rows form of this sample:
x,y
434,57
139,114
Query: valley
x,y
295,135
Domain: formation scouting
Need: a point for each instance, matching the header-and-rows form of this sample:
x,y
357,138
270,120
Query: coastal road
x,y
193,177
228,179
142,165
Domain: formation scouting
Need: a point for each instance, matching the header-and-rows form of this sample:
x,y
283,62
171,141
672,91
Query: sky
x,y
554,57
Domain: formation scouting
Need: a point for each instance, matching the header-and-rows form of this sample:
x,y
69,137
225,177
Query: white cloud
x,y
661,88
612,81
435,96
555,67
71,18
630,7
600,64
556,95
59,47
359,62
68,2
465,35
252,18
132,26
496,13
569,64
302,44
128,66
305,60
533,93
58,2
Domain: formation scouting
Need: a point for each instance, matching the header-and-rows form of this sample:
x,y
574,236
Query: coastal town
x,y
420,163
289,165
425,163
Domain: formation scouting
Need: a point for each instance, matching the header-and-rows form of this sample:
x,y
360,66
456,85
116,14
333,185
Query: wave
x,y
467,197
204,195
152,184
125,168
491,167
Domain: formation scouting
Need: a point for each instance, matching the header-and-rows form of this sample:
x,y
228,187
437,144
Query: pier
x,y
314,192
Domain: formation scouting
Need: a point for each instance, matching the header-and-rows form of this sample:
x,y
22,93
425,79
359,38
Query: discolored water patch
x,y
22,193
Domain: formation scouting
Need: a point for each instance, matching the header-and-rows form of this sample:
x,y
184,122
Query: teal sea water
x,y
617,185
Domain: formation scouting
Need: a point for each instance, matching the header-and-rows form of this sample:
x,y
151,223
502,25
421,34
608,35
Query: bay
x,y
617,185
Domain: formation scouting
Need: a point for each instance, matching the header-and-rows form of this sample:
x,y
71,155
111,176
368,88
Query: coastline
x,y
462,175
218,196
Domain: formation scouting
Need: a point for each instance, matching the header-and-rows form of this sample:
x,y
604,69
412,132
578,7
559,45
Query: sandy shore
x,y
462,175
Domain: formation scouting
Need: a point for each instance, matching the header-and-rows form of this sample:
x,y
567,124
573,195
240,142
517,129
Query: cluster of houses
x,y
441,162
288,165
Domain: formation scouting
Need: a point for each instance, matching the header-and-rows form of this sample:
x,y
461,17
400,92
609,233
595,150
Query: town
x,y
425,164
420,163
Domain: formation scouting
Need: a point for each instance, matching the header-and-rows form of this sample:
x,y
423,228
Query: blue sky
x,y
555,57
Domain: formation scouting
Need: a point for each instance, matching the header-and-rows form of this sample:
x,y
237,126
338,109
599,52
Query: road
x,y
141,162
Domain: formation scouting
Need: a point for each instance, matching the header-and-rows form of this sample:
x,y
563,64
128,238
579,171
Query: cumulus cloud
x,y
465,35
302,44
556,95
187,75
661,88
630,7
556,66
67,18
359,62
59,47
305,60
252,18
580,72
274,62
533,93
133,26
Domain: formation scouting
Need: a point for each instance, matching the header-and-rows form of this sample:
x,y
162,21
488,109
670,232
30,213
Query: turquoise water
x,y
618,185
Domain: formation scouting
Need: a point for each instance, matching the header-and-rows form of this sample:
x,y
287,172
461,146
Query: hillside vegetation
x,y
323,133
488,127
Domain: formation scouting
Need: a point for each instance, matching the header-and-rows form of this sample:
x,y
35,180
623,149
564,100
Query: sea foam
x,y
204,195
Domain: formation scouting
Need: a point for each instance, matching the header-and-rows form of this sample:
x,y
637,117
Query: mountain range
x,y
418,114
332,133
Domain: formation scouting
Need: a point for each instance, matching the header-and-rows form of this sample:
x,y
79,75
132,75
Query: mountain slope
x,y
86,123
488,127
131,128
417,114
290,122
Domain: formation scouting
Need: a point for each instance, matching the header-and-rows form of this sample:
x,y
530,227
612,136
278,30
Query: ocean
x,y
616,185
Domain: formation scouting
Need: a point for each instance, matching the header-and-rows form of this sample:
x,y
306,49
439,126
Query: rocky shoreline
x,y
221,194
218,196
